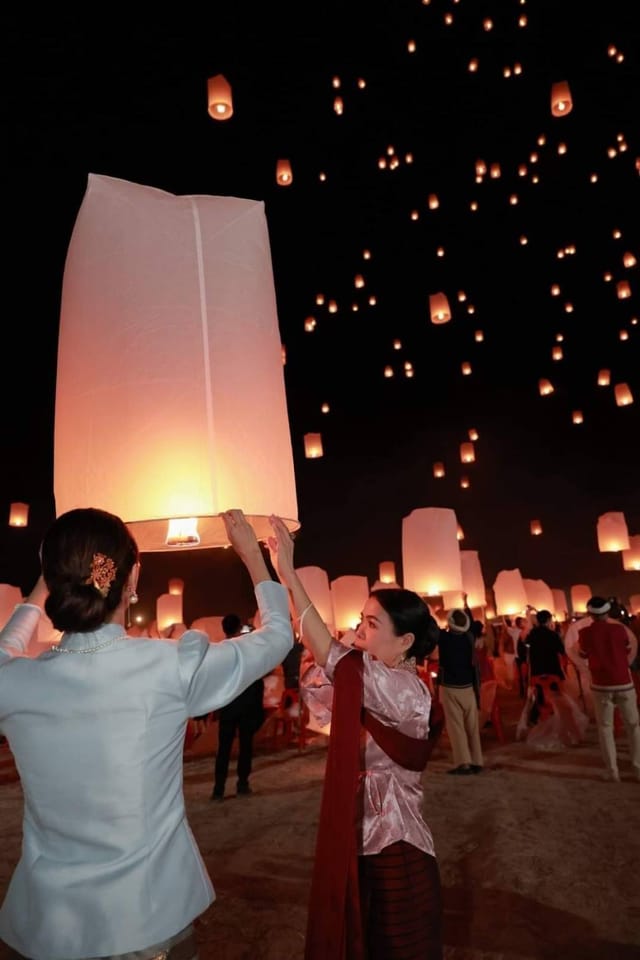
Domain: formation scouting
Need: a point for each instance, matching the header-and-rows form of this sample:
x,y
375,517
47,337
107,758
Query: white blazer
x,y
109,864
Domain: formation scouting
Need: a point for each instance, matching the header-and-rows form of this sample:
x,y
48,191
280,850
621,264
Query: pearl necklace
x,y
99,646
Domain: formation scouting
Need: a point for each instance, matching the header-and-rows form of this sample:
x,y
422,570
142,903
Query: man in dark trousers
x,y
244,716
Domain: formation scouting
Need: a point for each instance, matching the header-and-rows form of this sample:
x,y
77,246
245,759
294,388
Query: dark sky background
x,y
129,101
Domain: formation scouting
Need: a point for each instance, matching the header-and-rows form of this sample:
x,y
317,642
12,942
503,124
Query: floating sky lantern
x,y
623,395
324,408
561,101
478,336
473,434
19,515
560,603
217,312
629,260
539,595
510,593
472,579
613,534
631,556
176,586
577,417
316,584
313,446
219,97
467,452
580,594
535,527
439,308
388,372
465,482
387,571
438,469
545,387
466,368
430,551
623,289
434,203
604,378
349,595
284,173
556,353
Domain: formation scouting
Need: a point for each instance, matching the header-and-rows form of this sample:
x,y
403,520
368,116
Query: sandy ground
x,y
539,856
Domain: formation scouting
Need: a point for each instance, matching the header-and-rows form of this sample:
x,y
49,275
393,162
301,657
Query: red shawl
x,y
334,929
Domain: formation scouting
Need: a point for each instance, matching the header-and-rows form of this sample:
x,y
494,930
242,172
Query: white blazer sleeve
x,y
18,630
214,674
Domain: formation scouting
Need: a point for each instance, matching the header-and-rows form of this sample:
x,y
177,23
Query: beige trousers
x,y
461,722
604,704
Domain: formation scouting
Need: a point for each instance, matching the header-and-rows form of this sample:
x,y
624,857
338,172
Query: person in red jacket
x,y
606,647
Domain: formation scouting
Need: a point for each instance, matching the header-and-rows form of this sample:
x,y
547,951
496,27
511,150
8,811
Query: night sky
x,y
129,101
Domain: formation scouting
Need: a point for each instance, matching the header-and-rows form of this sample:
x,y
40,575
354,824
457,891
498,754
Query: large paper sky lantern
x,y
170,396
220,100
510,593
631,557
19,515
316,582
561,102
613,534
580,595
349,595
472,579
430,551
560,604
539,595
439,308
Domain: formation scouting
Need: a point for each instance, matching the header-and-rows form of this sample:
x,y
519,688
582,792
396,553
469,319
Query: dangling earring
x,y
133,598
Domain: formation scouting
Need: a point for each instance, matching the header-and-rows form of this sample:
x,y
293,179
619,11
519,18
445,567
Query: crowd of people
x,y
97,727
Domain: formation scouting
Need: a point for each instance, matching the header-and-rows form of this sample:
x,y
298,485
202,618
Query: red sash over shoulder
x,y
334,930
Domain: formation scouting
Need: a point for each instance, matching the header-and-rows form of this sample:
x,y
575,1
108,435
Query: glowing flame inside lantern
x,y
183,532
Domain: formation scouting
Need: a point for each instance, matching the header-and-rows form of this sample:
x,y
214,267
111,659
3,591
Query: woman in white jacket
x,y
96,725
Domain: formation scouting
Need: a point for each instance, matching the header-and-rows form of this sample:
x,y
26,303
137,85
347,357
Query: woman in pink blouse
x,y
375,890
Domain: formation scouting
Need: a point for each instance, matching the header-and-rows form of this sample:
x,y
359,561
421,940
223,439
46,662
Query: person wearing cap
x,y
459,693
605,645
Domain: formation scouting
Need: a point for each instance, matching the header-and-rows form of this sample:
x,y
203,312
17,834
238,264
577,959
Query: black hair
x,y
231,624
543,616
70,544
410,614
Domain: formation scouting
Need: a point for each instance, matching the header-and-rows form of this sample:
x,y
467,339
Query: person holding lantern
x,y
109,865
375,889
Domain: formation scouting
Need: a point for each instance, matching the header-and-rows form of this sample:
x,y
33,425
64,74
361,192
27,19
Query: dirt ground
x,y
539,856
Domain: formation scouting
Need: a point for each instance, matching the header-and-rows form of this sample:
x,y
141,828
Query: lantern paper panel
x,y
539,595
631,557
452,599
472,578
430,551
316,584
168,610
509,592
580,595
387,571
349,595
19,515
560,603
181,287
613,534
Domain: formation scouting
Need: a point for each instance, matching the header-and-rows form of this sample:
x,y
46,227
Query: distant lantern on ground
x,y
439,308
473,434
18,515
466,368
284,173
623,394
438,469
434,203
430,552
219,97
631,557
387,571
623,290
561,102
467,452
313,445
577,417
604,378
536,528
613,534
545,387
580,595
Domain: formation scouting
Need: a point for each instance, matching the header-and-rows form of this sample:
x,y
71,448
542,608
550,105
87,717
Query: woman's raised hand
x,y
241,534
281,550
